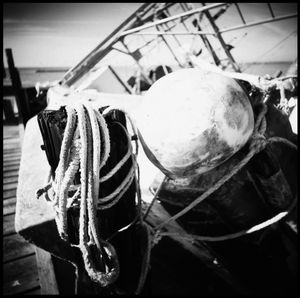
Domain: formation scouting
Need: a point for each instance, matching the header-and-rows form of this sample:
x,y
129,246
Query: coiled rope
x,y
86,130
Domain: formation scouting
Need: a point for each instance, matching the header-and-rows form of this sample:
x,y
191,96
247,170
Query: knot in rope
x,y
156,237
258,142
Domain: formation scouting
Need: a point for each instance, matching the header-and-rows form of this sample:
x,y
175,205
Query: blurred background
x,y
56,36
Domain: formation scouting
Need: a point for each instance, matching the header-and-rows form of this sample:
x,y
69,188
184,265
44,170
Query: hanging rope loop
x,y
86,147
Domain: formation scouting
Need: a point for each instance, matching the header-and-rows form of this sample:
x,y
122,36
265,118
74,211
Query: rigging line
x,y
273,47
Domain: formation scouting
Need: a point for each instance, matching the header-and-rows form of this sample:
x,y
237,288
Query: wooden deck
x,y
20,272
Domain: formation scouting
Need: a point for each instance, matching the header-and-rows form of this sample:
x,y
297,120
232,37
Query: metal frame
x,y
147,16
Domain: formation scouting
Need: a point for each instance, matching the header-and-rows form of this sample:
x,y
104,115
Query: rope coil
x,y
86,130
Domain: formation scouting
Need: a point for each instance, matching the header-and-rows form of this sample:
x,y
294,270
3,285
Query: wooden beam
x,y
138,64
46,273
271,10
124,84
16,247
240,13
221,40
76,72
170,49
174,33
22,104
251,24
178,16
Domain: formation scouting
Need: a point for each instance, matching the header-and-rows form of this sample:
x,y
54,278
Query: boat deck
x,y
20,273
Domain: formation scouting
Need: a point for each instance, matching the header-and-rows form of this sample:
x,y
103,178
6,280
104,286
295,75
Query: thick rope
x,y
266,223
63,191
145,262
81,149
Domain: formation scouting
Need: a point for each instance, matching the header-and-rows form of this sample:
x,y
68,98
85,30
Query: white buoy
x,y
192,120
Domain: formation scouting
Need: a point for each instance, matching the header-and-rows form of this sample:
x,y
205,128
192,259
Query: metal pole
x,y
205,41
190,12
154,39
124,84
138,64
174,33
168,28
221,40
171,50
271,10
22,104
259,23
121,51
102,49
240,13
175,38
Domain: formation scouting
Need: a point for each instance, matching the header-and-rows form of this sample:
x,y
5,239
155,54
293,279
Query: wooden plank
x,y
10,130
9,194
13,147
11,142
9,154
11,135
15,246
11,174
10,186
9,224
10,168
20,275
10,179
11,160
46,273
11,151
9,206
12,138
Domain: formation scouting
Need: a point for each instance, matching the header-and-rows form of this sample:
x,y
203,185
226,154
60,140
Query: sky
x,y
62,34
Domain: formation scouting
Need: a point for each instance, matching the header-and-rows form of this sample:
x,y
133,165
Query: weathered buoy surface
x,y
192,120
